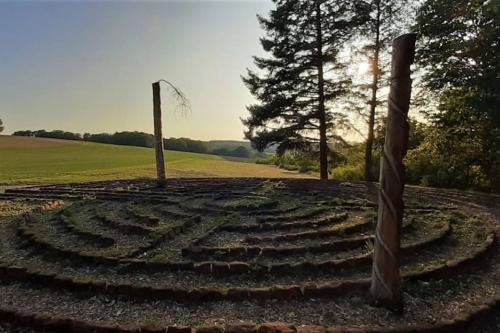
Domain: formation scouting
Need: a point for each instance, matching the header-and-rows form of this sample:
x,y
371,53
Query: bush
x,y
239,151
268,160
348,173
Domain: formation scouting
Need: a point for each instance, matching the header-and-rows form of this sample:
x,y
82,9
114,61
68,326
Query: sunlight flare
x,y
364,68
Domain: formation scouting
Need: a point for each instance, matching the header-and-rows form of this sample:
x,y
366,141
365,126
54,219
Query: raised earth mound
x,y
240,256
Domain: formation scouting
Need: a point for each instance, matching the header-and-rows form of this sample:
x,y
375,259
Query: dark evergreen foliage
x,y
303,75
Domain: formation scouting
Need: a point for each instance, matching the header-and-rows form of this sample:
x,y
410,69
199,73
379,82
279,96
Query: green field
x,y
25,160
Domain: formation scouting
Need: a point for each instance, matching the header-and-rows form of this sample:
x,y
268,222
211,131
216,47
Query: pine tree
x,y
387,20
296,85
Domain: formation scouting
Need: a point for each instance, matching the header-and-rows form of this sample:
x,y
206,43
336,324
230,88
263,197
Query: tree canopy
x,y
459,53
302,75
300,84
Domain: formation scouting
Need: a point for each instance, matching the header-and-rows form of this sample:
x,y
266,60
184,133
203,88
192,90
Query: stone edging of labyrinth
x,y
237,255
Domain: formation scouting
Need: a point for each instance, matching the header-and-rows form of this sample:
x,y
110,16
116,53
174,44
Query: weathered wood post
x,y
386,281
160,160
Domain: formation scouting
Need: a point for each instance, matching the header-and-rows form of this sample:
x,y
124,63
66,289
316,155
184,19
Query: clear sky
x,y
88,66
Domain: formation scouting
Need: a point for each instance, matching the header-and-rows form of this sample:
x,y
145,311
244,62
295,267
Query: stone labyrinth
x,y
239,255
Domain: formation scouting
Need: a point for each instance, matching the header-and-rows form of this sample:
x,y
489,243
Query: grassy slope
x,y
26,160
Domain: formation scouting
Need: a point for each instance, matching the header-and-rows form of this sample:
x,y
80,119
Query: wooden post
x,y
160,160
386,281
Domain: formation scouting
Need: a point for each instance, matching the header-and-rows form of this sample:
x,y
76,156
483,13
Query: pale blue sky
x,y
88,67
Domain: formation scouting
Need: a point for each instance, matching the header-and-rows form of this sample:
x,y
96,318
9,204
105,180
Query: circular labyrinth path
x,y
240,255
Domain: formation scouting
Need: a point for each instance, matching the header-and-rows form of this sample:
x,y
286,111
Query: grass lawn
x,y
25,160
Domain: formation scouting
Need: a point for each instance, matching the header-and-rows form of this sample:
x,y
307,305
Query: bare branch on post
x,y
184,105
160,159
386,281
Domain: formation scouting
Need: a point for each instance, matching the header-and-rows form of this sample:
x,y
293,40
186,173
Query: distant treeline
x,y
58,134
141,139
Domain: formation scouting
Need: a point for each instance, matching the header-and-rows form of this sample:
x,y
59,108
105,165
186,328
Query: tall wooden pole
x,y
386,281
160,160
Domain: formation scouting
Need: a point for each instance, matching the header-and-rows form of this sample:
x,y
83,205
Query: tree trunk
x,y
386,282
373,102
160,160
323,144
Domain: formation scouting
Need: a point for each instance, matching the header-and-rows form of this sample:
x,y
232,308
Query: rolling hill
x,y
27,160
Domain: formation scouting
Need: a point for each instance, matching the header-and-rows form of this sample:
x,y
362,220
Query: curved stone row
x,y
350,229
250,207
216,267
127,228
340,230
284,226
308,290
253,251
104,192
294,217
26,232
100,195
88,236
222,280
61,324
220,267
207,267
338,288
345,244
